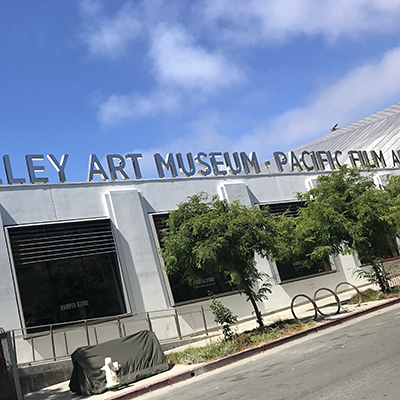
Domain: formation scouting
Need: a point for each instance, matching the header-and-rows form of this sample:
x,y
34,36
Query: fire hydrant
x,y
111,377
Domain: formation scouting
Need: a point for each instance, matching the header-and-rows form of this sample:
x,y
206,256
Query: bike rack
x,y
354,287
313,300
310,300
334,295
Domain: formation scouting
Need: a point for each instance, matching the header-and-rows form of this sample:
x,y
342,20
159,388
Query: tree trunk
x,y
257,311
249,293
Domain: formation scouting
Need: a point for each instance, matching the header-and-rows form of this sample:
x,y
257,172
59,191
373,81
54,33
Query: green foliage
x,y
344,213
223,316
392,189
374,273
209,236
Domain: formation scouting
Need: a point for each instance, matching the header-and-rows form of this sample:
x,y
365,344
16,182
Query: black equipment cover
x,y
139,355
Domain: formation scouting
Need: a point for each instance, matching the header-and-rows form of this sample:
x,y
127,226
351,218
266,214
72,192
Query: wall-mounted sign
x,y
320,160
203,164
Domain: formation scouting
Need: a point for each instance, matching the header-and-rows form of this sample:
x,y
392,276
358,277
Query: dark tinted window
x,y
66,272
303,266
182,291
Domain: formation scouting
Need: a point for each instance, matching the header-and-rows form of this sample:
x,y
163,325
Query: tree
x,y
209,236
345,213
392,189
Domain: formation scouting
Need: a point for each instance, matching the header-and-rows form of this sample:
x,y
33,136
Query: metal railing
x,y
58,341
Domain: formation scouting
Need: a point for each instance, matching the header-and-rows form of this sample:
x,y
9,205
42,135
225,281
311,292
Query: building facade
x,y
78,251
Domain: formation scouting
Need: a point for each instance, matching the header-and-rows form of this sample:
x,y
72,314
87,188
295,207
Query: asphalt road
x,y
359,359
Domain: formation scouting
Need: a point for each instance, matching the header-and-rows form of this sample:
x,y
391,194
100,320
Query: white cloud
x,y
275,20
179,61
109,36
186,71
362,91
204,137
118,107
183,70
249,21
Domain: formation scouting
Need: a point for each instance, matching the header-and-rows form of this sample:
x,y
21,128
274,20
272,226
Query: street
x,y
359,359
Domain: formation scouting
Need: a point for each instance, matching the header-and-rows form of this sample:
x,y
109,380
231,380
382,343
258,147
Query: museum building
x,y
78,251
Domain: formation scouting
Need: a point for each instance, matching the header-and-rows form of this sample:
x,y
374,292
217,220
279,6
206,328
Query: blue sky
x,y
118,77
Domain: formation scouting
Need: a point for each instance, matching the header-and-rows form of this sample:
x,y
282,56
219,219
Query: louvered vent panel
x,y
160,222
59,241
292,208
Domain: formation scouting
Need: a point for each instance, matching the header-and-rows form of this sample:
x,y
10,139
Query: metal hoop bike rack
x,y
310,300
335,297
313,300
354,287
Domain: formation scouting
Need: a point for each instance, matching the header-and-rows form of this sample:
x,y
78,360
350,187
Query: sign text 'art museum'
x,y
203,164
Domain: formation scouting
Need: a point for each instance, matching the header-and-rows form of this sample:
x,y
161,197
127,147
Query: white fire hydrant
x,y
111,377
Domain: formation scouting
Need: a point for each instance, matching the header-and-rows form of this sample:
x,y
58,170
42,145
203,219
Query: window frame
x,y
274,265
27,330
167,281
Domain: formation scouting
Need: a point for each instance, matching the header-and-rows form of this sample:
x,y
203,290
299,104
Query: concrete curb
x,y
212,365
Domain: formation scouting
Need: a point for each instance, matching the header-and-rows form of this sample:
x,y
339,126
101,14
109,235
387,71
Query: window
x,y
66,271
183,292
303,266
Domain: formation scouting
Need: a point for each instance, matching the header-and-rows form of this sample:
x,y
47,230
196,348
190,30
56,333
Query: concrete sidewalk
x,y
182,372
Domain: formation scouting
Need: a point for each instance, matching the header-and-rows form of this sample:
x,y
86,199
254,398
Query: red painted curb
x,y
210,366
